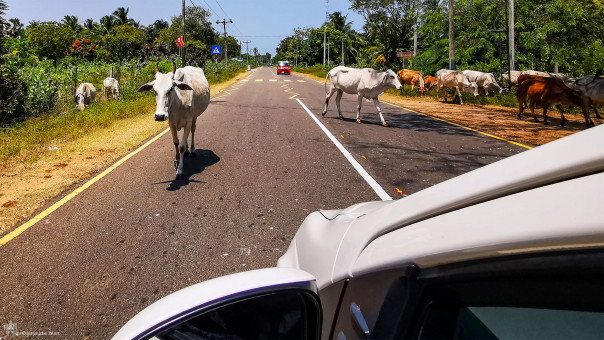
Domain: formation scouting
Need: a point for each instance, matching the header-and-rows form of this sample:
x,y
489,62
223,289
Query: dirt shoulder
x,y
27,185
495,120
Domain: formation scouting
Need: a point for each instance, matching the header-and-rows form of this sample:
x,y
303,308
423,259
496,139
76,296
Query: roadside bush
x,y
13,94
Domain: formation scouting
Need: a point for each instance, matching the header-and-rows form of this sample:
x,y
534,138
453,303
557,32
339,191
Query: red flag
x,y
180,42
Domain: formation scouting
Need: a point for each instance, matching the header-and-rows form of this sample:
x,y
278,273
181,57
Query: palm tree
x,y
107,22
121,16
16,27
89,24
71,21
3,7
338,22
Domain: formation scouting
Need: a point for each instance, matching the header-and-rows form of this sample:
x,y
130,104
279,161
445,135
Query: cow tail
x,y
327,76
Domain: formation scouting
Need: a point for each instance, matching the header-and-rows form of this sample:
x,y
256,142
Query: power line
x,y
228,16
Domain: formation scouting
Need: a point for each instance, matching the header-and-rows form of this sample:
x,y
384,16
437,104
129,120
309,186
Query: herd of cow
x,y
184,94
538,88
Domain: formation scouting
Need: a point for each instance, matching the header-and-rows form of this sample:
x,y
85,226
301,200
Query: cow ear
x,y
182,86
146,87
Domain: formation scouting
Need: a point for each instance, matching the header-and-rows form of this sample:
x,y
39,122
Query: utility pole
x,y
324,39
511,35
414,41
328,42
325,28
226,50
342,51
247,49
451,37
183,50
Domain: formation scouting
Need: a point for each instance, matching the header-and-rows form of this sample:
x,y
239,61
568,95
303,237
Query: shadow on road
x,y
193,166
408,121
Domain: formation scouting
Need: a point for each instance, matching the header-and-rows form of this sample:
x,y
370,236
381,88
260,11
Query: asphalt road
x,y
262,165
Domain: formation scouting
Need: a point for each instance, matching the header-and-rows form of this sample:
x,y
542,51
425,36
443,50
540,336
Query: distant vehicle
x,y
513,250
283,67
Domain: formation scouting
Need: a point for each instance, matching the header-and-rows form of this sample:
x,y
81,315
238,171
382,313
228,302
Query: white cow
x,y
515,75
454,79
365,83
181,96
85,95
483,80
592,90
111,87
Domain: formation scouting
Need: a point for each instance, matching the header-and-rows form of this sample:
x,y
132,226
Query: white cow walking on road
x,y
181,95
365,83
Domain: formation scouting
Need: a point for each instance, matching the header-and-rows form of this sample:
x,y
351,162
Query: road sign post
x,y
215,51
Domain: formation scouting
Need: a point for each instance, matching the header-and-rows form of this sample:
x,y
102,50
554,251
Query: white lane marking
x,y
301,81
271,69
366,176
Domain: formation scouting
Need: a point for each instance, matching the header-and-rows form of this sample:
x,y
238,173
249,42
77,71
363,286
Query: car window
x,y
454,322
283,315
283,63
553,296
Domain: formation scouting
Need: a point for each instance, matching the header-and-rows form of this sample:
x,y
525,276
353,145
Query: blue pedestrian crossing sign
x,y
215,49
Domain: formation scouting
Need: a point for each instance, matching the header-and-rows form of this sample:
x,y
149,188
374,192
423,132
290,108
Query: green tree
x,y
198,29
124,43
16,27
121,17
108,22
152,31
389,23
71,21
50,40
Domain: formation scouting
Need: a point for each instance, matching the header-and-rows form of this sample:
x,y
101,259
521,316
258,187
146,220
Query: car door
x,y
272,303
542,295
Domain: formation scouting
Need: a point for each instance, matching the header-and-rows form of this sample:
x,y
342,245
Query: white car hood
x,y
328,248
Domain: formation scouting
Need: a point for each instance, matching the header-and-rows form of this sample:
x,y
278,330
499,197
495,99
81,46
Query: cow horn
x,y
173,66
157,69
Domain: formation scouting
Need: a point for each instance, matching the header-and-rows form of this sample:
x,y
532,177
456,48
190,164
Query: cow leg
x,y
377,106
359,102
176,142
545,107
332,90
533,111
192,149
338,98
459,94
182,147
586,104
520,109
596,111
563,119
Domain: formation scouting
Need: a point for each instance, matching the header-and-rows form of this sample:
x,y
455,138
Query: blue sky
x,y
262,22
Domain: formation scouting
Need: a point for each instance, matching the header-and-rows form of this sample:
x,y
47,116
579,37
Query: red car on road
x,y
283,67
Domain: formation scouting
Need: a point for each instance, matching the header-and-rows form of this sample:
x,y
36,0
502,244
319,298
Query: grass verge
x,y
43,157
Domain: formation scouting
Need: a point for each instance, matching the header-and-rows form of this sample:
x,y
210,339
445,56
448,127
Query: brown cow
x,y
547,92
429,82
413,78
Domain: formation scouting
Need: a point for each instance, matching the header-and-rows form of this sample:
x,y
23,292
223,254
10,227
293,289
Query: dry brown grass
x,y
28,182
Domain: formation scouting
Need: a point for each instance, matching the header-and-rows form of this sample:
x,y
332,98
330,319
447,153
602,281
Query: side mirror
x,y
273,303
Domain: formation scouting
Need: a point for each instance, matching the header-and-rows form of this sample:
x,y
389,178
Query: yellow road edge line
x,y
8,237
294,96
459,125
